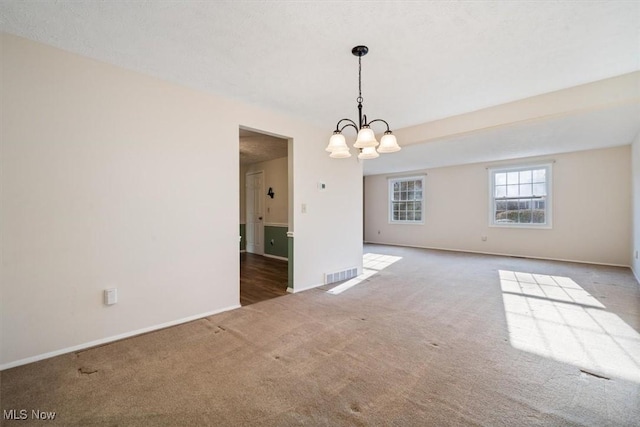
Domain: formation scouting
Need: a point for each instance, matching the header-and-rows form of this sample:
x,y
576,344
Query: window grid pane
x,y
406,200
519,197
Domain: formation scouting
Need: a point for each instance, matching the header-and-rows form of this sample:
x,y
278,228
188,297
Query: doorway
x,y
264,215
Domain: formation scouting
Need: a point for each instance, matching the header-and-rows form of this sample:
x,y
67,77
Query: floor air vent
x,y
339,276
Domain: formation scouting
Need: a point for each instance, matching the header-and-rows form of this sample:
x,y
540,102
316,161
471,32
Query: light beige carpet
x,y
436,338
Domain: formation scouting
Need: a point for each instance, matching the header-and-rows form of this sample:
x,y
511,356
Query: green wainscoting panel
x,y
243,233
275,241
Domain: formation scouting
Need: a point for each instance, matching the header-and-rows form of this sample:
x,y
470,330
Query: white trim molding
x,y
276,224
435,248
107,340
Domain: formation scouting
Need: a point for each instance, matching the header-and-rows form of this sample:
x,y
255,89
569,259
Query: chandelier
x,y
366,141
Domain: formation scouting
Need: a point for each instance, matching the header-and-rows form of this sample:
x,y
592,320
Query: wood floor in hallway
x,y
261,278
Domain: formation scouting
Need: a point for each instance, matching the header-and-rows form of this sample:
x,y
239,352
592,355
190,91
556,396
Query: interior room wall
x,y
327,223
591,211
635,170
114,179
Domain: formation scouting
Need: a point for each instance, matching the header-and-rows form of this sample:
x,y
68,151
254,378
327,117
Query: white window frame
x,y
548,198
390,199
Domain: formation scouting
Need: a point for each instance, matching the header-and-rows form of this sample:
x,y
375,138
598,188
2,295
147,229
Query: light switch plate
x,y
110,296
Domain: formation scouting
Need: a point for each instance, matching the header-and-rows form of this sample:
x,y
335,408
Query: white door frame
x,y
254,185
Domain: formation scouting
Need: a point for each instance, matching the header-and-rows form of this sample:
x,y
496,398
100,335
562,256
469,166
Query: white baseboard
x,y
276,257
497,254
290,290
296,290
112,338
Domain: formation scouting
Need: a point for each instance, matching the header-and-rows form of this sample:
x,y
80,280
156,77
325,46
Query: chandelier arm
x,y
353,125
383,121
351,122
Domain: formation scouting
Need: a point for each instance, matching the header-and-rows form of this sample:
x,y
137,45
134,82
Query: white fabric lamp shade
x,y
388,144
337,143
368,153
366,138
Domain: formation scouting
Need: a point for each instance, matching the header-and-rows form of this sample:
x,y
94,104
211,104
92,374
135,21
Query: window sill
x,y
525,226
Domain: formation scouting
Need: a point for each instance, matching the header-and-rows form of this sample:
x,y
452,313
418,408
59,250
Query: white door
x,y
255,202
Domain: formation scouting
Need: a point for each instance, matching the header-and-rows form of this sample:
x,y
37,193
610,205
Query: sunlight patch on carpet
x,y
371,264
554,317
378,262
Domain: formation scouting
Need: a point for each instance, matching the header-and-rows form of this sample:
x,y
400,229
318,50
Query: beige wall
x,y
275,176
591,211
635,240
110,178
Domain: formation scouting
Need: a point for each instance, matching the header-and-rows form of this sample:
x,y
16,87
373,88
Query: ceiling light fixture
x,y
366,141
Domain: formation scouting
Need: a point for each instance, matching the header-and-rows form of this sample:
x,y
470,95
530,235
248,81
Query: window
x,y
406,203
521,196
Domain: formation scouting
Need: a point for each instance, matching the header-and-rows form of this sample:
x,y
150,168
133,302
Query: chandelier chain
x,y
359,79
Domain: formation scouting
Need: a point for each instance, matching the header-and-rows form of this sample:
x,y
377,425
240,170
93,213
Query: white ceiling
x,y
428,60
